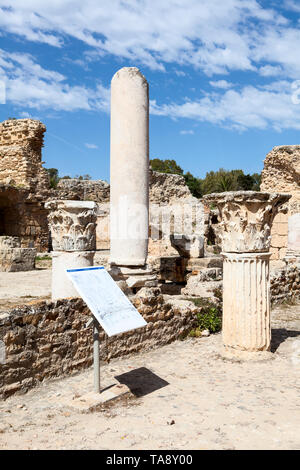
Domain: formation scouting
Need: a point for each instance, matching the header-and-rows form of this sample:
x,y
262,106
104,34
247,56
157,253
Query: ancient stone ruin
x,y
159,243
281,173
23,186
246,220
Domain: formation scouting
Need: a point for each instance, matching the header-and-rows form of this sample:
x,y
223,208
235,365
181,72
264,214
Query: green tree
x,y
166,166
194,184
229,180
256,181
53,176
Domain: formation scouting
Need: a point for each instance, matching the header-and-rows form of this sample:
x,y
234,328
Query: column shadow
x,y
141,381
279,335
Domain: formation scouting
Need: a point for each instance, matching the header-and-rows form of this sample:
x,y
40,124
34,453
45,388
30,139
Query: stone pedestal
x,y
246,220
129,168
73,231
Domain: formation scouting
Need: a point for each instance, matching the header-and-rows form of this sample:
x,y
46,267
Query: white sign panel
x,y
107,302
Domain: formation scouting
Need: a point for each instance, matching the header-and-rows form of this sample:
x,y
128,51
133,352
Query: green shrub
x,y
209,318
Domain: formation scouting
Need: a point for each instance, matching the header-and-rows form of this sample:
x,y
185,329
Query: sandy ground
x,y
25,287
22,287
185,397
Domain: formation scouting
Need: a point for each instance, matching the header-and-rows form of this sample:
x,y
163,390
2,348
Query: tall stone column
x,y
246,220
129,168
73,232
129,179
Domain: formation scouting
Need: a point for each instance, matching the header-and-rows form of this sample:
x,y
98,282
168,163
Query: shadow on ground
x,y
141,381
280,335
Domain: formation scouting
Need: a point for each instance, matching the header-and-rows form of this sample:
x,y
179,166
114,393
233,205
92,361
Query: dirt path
x,y
187,397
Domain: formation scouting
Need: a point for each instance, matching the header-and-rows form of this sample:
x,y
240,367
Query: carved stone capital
x,y
72,225
246,219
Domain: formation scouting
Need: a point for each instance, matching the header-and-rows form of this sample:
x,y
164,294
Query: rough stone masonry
x,y
281,174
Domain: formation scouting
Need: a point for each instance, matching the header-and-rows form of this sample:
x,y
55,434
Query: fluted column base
x,y
246,306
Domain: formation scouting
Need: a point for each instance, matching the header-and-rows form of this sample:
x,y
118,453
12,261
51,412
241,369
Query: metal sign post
x,y
96,356
110,307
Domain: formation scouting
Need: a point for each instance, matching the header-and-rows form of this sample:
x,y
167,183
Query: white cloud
x,y
31,86
221,84
292,5
210,35
213,37
180,73
91,146
251,107
270,71
191,132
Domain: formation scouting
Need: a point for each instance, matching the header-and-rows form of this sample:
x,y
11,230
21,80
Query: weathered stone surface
x,y
49,339
198,264
9,242
246,303
17,259
83,190
72,225
24,183
281,173
188,246
134,277
246,219
21,141
166,188
285,283
196,287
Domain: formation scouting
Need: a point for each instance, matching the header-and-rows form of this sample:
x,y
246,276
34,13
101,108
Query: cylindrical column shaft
x,y
62,287
129,168
246,303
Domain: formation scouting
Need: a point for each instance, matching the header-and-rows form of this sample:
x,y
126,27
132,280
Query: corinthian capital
x,y
246,219
72,225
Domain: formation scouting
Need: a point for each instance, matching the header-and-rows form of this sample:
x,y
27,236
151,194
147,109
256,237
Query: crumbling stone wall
x,y
22,214
24,183
281,174
49,339
21,142
285,283
170,200
83,190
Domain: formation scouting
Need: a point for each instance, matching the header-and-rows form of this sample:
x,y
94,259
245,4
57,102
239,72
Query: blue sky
x,y
224,77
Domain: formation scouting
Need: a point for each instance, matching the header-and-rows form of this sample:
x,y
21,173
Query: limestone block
x,y
294,233
278,241
9,242
195,287
17,259
197,264
188,246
